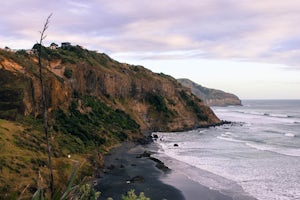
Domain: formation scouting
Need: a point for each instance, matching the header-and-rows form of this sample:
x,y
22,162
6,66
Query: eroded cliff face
x,y
155,101
211,97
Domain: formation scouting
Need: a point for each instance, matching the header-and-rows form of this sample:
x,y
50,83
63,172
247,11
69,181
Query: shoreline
x,y
125,169
130,166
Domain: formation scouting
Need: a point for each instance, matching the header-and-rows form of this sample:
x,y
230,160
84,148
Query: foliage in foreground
x,y
132,196
83,192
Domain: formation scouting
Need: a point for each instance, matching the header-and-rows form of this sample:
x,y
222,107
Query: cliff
x,y
211,97
154,101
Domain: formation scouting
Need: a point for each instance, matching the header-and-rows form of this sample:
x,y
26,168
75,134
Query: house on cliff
x,y
53,46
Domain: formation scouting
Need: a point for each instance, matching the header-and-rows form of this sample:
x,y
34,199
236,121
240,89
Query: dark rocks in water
x,y
144,140
160,165
111,167
155,136
176,145
122,166
137,179
145,154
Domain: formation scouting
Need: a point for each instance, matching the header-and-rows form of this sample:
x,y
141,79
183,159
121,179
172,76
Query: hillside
x,y
94,103
211,97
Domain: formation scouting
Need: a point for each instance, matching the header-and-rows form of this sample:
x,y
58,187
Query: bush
x,y
193,106
68,72
132,196
157,101
158,104
91,125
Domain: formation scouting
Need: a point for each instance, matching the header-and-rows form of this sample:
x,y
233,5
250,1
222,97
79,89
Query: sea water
x,y
257,155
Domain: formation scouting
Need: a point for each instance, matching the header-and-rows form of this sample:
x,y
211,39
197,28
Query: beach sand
x,y
129,167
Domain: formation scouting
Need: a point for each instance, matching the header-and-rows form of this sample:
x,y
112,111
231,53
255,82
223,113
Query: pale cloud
x,y
254,30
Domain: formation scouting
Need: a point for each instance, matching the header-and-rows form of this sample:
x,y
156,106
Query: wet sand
x,y
131,166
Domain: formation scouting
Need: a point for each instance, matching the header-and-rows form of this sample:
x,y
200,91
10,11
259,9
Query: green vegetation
x,y
132,196
92,123
158,104
68,72
157,101
20,57
193,106
87,192
23,162
76,54
46,53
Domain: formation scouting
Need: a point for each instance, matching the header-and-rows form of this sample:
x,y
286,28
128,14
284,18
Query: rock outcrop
x,y
211,97
155,101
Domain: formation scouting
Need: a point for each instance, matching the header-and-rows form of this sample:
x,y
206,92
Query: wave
x,y
279,115
283,151
251,112
265,114
247,115
223,137
289,135
264,147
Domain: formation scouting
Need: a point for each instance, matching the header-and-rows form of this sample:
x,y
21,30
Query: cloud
x,y
255,30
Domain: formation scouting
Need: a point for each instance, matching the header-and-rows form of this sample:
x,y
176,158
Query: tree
x,y
44,103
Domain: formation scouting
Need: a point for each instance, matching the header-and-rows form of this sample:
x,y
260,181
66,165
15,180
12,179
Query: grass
x,y
23,158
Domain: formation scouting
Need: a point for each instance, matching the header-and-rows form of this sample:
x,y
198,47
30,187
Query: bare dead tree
x,y
44,103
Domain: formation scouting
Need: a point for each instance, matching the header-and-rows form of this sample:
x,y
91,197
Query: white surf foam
x,y
230,139
289,135
223,173
280,150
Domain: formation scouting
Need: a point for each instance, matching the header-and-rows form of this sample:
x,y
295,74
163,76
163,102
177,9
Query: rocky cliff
x,y
94,103
154,101
211,97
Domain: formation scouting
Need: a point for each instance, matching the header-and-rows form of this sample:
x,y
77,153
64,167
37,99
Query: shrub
x,y
68,72
193,106
157,101
132,196
89,127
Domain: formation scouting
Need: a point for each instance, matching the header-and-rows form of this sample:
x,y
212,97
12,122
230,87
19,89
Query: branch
x,y
46,25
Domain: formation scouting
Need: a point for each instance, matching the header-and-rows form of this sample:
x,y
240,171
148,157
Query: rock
x,y
160,165
137,179
111,167
145,154
176,145
144,140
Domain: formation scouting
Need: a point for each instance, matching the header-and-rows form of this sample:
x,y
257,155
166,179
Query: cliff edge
x,y
211,97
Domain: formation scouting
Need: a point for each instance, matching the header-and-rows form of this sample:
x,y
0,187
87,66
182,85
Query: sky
x,y
247,47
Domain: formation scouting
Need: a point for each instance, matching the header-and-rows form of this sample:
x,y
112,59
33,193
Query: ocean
x,y
257,155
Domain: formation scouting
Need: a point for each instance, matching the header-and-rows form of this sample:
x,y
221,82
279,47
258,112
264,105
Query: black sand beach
x,y
129,167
